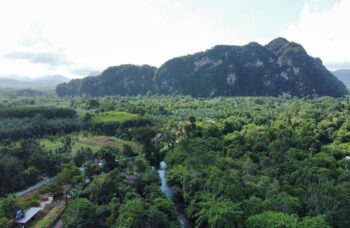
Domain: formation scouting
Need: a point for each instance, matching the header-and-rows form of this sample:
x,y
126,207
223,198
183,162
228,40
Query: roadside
x,y
34,187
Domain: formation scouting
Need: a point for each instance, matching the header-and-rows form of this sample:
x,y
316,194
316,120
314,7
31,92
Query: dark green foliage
x,y
46,112
318,221
80,213
235,162
138,213
25,165
26,122
83,155
9,206
271,219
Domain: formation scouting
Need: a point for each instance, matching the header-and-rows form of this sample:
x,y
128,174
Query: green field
x,y
97,142
51,144
113,117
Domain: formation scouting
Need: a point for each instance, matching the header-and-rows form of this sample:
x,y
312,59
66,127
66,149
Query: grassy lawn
x,y
113,117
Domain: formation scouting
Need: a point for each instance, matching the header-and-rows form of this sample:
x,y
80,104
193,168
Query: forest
x,y
231,161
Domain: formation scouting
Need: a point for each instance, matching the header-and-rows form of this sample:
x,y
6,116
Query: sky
x,y
76,38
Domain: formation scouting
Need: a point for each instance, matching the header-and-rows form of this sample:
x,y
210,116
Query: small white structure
x,y
43,204
347,158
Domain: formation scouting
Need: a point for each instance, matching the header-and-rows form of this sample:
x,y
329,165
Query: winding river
x,y
183,220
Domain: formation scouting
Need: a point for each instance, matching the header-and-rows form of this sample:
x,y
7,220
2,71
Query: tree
x,y
80,213
318,221
102,188
83,155
272,219
285,203
107,155
253,205
140,165
9,207
4,222
132,214
68,171
128,151
219,213
31,175
167,207
11,178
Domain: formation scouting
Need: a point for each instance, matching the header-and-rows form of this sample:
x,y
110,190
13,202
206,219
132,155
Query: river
x,y
169,193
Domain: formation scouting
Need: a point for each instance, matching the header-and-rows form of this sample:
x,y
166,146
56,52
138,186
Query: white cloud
x,y
323,34
97,34
70,37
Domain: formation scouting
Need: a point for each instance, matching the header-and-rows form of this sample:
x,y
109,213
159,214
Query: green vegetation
x,y
25,122
46,112
234,162
113,117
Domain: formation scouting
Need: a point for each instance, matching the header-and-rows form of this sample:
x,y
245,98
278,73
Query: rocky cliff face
x,y
250,70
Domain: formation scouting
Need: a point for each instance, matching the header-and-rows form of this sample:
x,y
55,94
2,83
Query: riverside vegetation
x,y
235,162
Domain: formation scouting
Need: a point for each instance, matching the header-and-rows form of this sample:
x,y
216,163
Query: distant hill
x,y
343,75
46,82
250,70
118,80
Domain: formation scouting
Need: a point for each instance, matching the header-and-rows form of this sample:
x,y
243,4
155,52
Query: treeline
x,y
27,122
47,112
118,128
19,128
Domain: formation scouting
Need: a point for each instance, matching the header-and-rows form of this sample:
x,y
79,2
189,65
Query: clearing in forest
x,y
96,142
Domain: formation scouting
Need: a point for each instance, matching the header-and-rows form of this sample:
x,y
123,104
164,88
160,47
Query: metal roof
x,y
28,215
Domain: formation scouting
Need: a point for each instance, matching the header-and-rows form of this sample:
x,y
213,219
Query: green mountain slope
x,y
250,70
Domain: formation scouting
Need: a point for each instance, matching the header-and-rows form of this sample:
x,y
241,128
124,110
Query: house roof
x,y
28,215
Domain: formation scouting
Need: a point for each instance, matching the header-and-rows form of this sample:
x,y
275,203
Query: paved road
x,y
32,188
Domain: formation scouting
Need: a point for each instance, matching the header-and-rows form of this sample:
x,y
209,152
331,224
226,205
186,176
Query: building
x,y
28,216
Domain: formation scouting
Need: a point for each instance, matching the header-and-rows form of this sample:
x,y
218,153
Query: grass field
x,y
51,144
113,117
96,142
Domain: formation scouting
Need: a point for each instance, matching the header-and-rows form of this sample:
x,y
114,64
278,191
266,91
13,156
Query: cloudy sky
x,y
76,37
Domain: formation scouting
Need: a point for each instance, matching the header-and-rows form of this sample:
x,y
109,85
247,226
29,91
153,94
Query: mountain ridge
x,y
45,82
343,75
224,70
